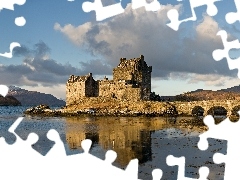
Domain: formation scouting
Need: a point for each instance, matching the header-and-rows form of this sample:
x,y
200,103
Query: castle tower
x,y
137,72
80,86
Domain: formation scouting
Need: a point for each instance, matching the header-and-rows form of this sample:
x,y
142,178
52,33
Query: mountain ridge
x,y
232,93
33,98
9,101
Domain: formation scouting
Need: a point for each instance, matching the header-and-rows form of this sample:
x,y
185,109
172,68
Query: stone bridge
x,y
205,106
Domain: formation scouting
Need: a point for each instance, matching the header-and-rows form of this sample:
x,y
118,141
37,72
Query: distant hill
x,y
33,98
9,101
232,93
200,95
232,89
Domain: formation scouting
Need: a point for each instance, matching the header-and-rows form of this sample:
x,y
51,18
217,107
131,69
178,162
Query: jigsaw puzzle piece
x,y
41,128
56,165
12,46
59,149
21,146
219,54
103,169
9,137
3,90
232,17
13,156
101,11
152,6
10,130
216,131
157,174
9,4
231,159
180,162
173,14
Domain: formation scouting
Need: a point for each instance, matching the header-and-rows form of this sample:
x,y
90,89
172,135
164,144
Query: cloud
x,y
136,32
38,69
96,66
39,50
21,51
214,80
207,30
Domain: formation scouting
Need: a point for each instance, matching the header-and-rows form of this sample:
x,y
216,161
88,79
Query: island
x,y
127,94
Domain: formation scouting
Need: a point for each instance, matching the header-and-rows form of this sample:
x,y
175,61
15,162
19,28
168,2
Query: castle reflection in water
x,y
127,137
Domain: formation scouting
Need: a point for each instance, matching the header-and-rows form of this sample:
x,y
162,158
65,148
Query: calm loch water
x,y
150,140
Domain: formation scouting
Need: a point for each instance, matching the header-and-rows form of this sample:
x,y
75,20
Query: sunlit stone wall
x,y
131,81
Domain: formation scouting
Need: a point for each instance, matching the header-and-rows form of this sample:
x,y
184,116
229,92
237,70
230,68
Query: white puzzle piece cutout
x,y
219,54
19,21
3,90
9,4
101,11
152,6
20,161
232,17
226,130
173,14
157,174
180,162
12,46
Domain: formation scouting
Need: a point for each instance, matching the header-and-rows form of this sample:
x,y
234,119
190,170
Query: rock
x,y
40,109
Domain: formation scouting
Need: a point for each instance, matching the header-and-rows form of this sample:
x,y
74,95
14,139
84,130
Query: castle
x,y
131,81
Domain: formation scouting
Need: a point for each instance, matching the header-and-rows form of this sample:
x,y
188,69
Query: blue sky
x,y
60,39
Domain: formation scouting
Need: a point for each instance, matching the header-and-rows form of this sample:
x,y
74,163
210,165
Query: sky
x,y
60,39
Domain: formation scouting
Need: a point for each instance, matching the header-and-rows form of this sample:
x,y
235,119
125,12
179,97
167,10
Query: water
x,y
150,140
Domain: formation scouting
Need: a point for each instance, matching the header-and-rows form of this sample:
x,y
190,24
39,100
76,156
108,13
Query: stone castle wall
x,y
131,81
75,91
78,87
119,90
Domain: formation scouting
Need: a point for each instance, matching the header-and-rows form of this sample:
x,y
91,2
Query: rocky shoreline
x,y
192,124
45,110
120,110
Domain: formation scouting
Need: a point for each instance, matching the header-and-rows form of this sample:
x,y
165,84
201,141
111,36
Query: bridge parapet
x,y
185,108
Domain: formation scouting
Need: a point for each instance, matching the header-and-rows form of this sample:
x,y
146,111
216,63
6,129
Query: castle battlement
x,y
131,81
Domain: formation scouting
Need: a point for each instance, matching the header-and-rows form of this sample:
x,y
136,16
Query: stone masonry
x,y
131,82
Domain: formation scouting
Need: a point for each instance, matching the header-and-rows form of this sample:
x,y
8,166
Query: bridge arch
x,y
198,111
218,110
208,106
